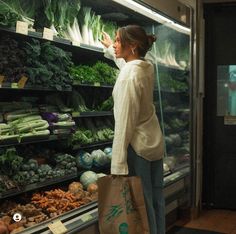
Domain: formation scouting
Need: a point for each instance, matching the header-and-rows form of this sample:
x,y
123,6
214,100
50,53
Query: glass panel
x,y
172,94
226,90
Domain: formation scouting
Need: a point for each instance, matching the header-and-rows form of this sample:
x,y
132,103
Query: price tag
x,y
1,80
21,82
75,43
48,34
22,27
75,114
14,85
57,227
97,84
76,82
86,217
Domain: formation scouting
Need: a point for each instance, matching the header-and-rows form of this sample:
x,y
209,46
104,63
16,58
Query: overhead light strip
x,y
153,15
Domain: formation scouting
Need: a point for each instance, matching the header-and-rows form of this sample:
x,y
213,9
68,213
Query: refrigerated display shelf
x,y
98,85
98,144
39,35
14,141
83,217
73,220
35,186
92,114
169,66
173,177
14,86
173,110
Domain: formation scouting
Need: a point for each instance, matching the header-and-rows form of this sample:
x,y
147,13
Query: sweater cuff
x,y
119,169
109,52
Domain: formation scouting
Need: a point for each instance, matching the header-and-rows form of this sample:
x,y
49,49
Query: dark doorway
x,y
219,141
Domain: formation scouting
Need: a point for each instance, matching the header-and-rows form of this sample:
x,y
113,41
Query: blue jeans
x,y
151,174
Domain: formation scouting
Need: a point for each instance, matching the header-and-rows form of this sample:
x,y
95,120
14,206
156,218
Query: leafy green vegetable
x,y
10,162
100,72
13,10
48,65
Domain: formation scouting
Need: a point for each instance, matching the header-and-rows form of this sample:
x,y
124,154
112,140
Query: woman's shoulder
x,y
139,67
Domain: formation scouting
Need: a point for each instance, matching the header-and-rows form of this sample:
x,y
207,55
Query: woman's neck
x,y
132,57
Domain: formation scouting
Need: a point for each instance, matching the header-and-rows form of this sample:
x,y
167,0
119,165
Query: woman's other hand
x,y
106,41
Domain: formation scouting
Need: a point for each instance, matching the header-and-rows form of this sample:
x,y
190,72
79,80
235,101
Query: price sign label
x,y
75,114
14,85
97,84
76,82
22,27
21,82
1,80
57,227
48,34
86,217
75,43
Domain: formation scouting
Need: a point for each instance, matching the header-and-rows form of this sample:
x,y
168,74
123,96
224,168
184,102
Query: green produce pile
x,y
172,47
67,19
99,73
10,162
22,171
178,124
167,83
31,172
74,102
47,65
66,163
107,105
12,59
23,10
21,123
91,132
43,64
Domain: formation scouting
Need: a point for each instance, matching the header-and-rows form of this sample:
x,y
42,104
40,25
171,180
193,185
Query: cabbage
x,y
99,158
87,178
108,151
84,160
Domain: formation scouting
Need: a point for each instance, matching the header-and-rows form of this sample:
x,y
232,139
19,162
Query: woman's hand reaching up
x,y
106,41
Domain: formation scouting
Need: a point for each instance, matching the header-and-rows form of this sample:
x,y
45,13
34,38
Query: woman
x,y
138,142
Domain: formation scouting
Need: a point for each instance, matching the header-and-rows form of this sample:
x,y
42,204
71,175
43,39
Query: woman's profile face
x,y
121,52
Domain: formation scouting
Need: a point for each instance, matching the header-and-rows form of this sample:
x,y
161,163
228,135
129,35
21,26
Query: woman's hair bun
x,y
151,38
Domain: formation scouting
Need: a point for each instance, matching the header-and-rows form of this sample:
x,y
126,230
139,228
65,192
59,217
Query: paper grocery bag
x,y
121,206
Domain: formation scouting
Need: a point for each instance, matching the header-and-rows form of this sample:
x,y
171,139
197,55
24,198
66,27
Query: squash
x,y
75,187
92,188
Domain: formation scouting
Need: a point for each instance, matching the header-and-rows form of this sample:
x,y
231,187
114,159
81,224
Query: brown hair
x,y
134,34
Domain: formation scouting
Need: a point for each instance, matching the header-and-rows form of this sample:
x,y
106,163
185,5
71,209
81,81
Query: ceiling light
x,y
153,15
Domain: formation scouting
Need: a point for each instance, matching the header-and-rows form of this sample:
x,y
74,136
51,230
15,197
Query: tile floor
x,y
214,220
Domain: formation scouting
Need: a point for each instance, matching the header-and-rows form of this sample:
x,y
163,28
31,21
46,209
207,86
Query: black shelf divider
x,y
48,138
39,35
34,186
8,86
93,85
103,143
76,115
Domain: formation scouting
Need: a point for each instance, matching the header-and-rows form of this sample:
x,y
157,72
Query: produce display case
x,y
34,168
